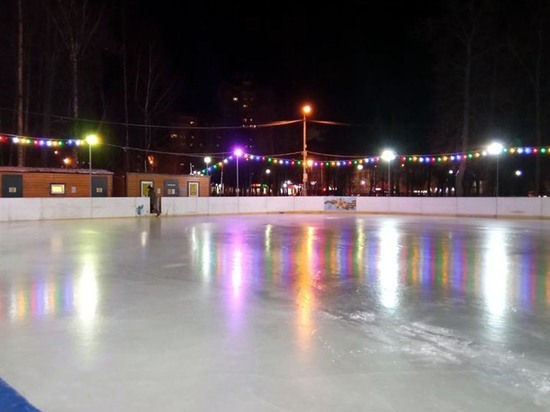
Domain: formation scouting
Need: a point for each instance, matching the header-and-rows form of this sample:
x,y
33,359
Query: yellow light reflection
x,y
50,292
415,258
86,297
21,305
206,256
305,297
445,264
388,264
267,237
495,276
359,255
87,294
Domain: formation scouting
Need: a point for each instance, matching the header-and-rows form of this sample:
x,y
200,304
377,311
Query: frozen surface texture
x,y
312,312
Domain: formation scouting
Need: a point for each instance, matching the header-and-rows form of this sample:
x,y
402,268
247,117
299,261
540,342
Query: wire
x,y
255,126
336,155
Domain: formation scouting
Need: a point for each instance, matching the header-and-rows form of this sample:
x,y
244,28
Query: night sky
x,y
387,74
361,62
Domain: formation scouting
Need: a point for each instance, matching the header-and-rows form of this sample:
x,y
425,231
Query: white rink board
x,y
83,208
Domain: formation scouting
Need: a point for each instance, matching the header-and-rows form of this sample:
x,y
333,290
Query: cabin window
x,y
57,188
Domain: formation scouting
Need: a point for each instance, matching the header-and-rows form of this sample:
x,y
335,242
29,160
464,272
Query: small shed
x,y
54,182
165,185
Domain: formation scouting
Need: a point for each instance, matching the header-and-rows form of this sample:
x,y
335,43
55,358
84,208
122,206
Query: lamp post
x,y
267,172
495,149
238,153
91,140
360,176
207,161
388,156
305,111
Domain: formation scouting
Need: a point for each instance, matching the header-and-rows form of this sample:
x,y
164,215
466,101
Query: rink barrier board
x,y
21,209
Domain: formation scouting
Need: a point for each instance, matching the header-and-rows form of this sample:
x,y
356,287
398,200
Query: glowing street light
x,y
238,153
495,149
207,161
388,156
305,111
91,140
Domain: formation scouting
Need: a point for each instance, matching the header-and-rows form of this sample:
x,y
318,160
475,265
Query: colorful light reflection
x,y
309,260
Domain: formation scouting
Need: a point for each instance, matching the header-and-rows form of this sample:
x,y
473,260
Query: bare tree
x,y
530,55
76,26
20,82
125,81
153,90
461,38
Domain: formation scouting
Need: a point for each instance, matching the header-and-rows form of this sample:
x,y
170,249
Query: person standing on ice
x,y
153,200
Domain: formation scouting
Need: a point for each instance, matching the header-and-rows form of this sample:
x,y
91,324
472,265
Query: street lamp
x,y
238,153
267,172
91,140
207,161
388,156
495,149
359,176
305,111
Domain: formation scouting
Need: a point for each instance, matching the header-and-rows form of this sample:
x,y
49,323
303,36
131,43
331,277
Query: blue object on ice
x,y
11,401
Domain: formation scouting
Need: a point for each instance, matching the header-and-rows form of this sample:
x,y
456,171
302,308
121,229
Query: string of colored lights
x,y
40,141
421,159
279,159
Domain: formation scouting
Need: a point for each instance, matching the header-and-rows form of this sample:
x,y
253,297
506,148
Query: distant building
x,y
243,103
187,145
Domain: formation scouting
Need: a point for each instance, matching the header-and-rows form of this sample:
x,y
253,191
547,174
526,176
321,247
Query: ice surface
x,y
279,312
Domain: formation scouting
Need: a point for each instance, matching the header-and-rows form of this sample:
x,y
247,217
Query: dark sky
x,y
345,57
354,61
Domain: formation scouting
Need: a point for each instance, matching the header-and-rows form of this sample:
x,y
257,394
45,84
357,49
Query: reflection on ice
x,y
499,265
496,273
278,308
388,268
86,295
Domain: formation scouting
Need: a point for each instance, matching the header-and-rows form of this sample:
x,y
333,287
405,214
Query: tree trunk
x,y
125,76
74,73
538,127
20,84
460,189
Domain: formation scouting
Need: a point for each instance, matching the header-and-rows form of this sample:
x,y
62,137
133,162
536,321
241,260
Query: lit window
x,y
57,188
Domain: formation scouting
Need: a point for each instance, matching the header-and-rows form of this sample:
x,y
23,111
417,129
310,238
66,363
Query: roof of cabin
x,y
23,169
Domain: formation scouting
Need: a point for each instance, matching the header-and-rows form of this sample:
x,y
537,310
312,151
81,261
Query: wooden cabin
x,y
166,185
57,182
54,182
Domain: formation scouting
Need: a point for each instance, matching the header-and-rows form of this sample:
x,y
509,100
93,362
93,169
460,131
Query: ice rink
x,y
279,312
